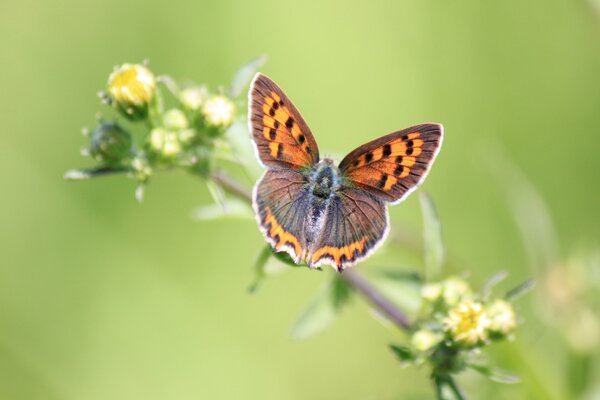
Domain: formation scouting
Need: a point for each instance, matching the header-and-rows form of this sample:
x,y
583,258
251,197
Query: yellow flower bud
x,y
131,87
467,323
219,111
502,317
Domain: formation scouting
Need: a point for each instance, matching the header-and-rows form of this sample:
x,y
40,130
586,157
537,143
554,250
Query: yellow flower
x,y
219,111
131,88
467,323
425,339
502,317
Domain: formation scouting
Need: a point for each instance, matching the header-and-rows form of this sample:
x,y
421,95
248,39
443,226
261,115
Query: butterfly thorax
x,y
324,183
325,179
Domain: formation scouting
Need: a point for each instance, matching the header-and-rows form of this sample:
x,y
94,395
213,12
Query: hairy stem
x,y
352,277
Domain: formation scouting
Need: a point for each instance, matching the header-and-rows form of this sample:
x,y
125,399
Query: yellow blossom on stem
x,y
467,323
131,87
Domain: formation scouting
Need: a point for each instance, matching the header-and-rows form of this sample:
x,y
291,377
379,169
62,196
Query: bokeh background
x,y
104,298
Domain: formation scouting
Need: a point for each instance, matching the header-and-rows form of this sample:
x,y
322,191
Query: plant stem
x,y
458,394
351,275
362,285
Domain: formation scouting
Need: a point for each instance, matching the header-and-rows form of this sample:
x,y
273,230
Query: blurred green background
x,y
104,298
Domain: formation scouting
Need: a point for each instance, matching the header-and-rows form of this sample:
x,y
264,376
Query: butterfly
x,y
319,212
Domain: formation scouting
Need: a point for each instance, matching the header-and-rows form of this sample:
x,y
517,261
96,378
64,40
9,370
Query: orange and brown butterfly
x,y
319,212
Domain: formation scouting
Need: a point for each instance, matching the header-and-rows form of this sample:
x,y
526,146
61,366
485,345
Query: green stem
x,y
458,394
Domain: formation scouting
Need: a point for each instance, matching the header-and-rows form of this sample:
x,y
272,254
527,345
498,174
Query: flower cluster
x,y
159,125
455,323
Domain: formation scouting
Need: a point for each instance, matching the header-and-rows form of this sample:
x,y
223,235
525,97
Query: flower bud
x,y
141,169
467,323
194,97
455,290
110,143
431,292
164,142
131,87
502,317
425,339
219,111
175,119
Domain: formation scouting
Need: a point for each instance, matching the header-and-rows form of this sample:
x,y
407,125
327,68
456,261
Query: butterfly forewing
x,y
280,134
394,165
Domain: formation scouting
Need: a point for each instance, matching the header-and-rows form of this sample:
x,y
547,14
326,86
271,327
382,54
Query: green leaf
x,y
404,353
227,208
495,374
170,84
432,235
260,267
495,279
242,77
518,291
322,310
216,192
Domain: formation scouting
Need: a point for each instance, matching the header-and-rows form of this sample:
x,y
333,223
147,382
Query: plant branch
x,y
352,276
360,283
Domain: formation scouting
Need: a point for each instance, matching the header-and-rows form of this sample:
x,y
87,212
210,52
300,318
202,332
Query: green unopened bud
x,y
110,143
502,317
193,98
219,111
164,142
131,87
425,339
455,290
175,119
431,292
186,136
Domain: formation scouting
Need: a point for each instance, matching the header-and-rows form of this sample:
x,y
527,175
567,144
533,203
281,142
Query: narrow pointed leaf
x,y
228,208
404,353
493,281
322,310
495,374
260,268
518,291
242,77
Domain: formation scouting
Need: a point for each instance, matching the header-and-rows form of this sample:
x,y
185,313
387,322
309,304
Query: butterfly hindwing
x,y
281,199
356,222
394,165
280,134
